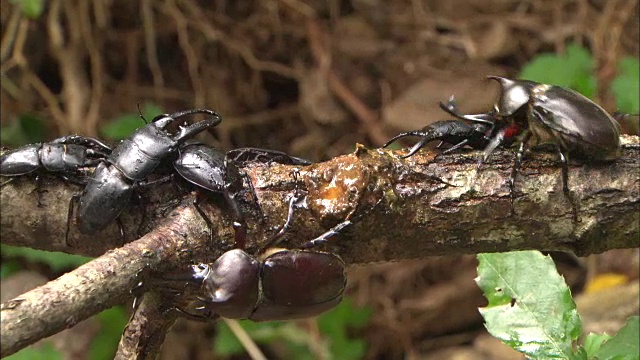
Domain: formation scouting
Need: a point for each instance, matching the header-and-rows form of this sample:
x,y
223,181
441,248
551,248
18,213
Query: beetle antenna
x,y
140,113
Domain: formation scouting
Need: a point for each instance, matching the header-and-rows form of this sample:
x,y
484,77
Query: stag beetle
x,y
458,133
284,285
110,188
63,156
218,172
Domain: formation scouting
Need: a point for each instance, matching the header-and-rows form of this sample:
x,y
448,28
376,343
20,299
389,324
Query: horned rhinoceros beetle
x,y
546,114
63,156
532,114
110,188
217,172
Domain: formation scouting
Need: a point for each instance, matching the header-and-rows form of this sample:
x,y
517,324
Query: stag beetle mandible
x,y
110,188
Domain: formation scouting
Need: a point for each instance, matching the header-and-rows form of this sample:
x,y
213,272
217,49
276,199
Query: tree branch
x,y
426,208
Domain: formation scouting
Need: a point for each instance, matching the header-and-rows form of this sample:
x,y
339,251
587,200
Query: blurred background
x,y
313,78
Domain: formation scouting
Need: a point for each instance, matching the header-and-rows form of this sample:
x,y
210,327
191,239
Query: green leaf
x,y
9,267
58,261
626,86
624,345
530,306
334,325
112,322
123,126
593,342
45,351
26,129
30,8
574,69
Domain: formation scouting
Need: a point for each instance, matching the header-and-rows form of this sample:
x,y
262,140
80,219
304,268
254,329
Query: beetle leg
x,y
206,317
338,228
565,184
264,156
456,146
294,203
516,166
72,203
196,204
121,230
8,181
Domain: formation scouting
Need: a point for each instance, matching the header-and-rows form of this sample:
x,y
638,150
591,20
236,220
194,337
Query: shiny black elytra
x,y
63,157
216,172
457,133
110,188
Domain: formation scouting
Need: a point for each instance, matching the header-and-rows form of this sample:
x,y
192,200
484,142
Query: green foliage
x,y
30,8
46,351
530,306
26,129
58,261
624,345
626,86
8,267
333,326
593,342
123,126
112,321
574,69
531,310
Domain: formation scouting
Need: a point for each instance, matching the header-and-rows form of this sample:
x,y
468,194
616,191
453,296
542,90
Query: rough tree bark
x,y
429,205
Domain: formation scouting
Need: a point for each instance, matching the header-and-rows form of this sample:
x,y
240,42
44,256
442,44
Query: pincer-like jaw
x,y
187,132
451,108
162,121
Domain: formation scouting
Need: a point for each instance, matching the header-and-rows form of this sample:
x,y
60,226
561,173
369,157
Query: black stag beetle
x,y
457,133
109,190
218,172
63,156
282,285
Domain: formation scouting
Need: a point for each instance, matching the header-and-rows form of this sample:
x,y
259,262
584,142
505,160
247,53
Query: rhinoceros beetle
x,y
217,172
63,156
533,114
282,285
110,188
546,114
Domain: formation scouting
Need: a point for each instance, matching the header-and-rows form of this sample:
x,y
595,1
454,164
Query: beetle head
x,y
515,94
